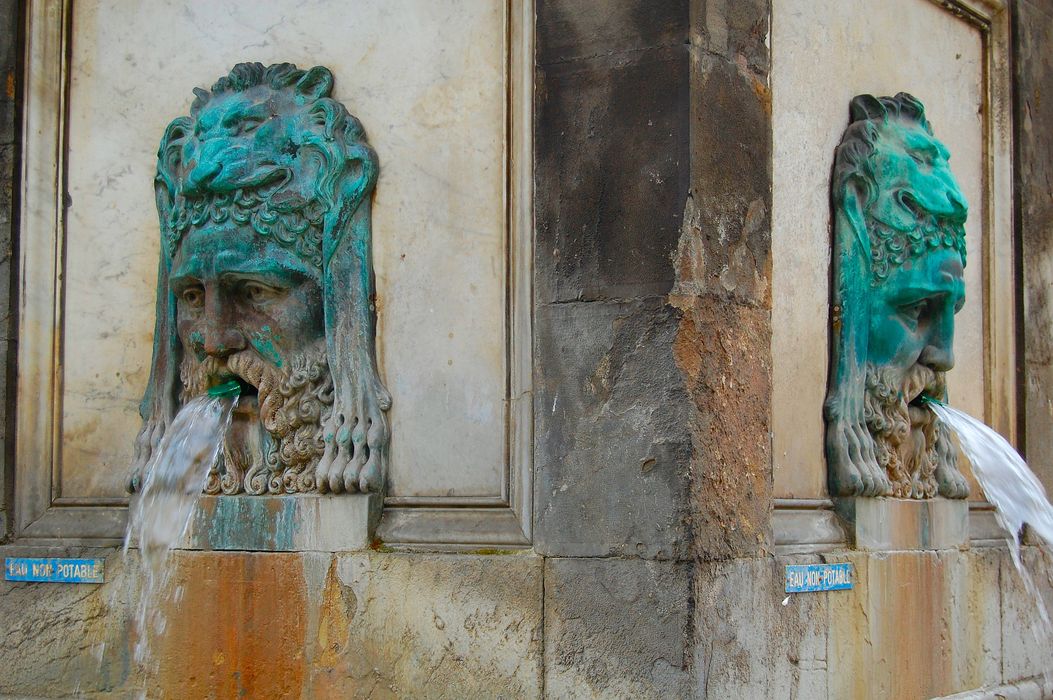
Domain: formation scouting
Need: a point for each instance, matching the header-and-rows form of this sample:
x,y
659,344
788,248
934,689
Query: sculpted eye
x,y
193,297
913,312
256,293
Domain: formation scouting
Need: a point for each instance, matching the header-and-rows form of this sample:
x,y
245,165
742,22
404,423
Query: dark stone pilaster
x,y
1033,117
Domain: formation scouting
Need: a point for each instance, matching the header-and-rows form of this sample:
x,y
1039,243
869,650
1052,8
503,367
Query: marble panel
x,y
824,52
429,82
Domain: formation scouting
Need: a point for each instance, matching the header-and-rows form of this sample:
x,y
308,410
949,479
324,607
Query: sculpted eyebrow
x,y
277,277
922,291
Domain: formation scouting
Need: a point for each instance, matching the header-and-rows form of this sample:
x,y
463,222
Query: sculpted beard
x,y
908,440
294,401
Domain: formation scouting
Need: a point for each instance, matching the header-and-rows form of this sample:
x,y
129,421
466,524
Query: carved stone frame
x,y
44,516
810,525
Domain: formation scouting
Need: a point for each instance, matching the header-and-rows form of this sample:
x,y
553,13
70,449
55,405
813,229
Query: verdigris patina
x,y
266,277
898,260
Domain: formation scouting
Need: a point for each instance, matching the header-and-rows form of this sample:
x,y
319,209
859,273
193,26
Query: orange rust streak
x,y
239,630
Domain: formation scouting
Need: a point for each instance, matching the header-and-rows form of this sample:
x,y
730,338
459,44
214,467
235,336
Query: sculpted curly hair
x,y
853,168
293,194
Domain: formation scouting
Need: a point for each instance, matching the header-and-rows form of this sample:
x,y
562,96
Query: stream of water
x,y
1015,492
171,486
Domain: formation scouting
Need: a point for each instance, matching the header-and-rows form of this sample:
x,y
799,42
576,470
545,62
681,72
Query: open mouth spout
x,y
229,384
921,386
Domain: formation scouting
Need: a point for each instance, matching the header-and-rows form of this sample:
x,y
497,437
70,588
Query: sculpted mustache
x,y
245,365
923,380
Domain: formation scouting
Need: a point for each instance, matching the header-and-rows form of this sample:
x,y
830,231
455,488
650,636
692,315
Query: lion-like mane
x,y
889,246
285,196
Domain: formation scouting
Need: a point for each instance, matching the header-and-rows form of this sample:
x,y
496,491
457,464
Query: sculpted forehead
x,y
207,253
267,117
907,137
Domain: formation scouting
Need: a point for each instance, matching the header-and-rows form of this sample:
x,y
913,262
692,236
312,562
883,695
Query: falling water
x,y
1011,487
172,484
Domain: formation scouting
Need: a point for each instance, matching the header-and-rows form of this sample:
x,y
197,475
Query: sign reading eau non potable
x,y
53,570
807,578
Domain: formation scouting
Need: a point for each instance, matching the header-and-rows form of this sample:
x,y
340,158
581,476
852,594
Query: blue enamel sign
x,y
53,570
805,578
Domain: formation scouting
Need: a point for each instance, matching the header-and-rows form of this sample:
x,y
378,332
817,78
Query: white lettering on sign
x,y
802,578
53,570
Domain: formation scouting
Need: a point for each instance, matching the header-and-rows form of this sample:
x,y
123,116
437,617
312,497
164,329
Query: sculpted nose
x,y
959,207
224,342
938,355
221,339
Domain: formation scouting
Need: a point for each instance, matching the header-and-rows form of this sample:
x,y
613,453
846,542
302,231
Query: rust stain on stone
x,y
10,86
338,607
721,350
239,629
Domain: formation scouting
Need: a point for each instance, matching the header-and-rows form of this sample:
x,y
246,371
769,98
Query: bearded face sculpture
x,y
266,277
899,256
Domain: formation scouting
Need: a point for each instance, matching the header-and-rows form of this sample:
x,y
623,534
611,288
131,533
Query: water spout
x,y
1011,487
172,484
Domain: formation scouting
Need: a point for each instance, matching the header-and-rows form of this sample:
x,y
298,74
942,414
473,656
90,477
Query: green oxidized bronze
x,y
898,260
266,278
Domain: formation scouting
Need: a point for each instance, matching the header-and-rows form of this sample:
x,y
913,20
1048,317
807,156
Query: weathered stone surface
x,y
889,524
611,150
612,440
725,244
916,624
285,625
750,645
616,628
1023,655
64,640
569,30
284,523
361,625
723,280
9,33
722,352
735,30
443,626
1033,63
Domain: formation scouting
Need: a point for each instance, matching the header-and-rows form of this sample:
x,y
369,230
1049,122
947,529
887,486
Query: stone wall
x,y
1033,28
10,34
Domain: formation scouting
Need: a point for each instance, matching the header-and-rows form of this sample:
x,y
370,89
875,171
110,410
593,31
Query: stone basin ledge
x,y
322,523
893,524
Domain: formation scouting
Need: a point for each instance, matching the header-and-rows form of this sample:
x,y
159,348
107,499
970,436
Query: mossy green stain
x,y
197,343
247,522
263,341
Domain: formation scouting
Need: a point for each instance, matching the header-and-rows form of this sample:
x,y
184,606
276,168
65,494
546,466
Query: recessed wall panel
x,y
824,52
429,81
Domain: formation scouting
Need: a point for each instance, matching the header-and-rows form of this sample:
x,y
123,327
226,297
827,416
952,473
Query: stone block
x,y
1033,110
735,30
67,640
916,624
725,247
1026,650
753,640
611,164
570,30
722,352
313,523
616,628
425,625
612,433
889,524
311,625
